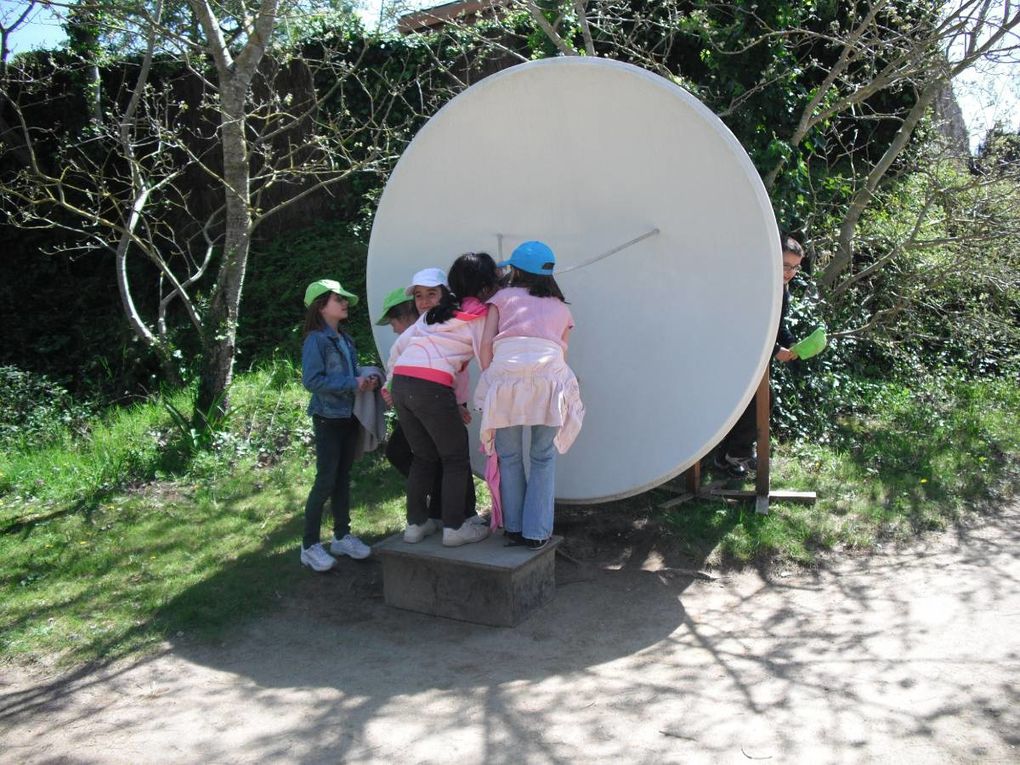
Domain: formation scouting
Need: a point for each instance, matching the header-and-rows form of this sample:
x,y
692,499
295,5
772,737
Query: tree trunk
x,y
235,75
221,320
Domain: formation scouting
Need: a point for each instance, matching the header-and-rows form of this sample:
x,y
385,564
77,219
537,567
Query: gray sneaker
x,y
468,533
316,558
415,532
350,546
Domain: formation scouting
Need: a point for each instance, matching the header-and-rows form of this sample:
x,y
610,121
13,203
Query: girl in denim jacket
x,y
329,370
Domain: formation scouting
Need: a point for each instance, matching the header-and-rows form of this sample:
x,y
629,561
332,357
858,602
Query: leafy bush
x,y
268,415
67,461
809,395
35,411
81,466
936,295
937,266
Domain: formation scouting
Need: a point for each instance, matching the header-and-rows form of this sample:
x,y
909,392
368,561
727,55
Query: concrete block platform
x,y
484,583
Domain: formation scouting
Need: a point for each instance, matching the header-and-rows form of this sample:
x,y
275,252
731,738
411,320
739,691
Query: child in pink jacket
x,y
425,364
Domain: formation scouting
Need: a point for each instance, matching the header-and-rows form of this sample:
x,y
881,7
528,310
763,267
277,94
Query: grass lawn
x,y
168,557
107,545
920,461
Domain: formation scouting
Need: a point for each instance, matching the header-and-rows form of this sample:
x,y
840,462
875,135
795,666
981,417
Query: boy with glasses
x,y
736,452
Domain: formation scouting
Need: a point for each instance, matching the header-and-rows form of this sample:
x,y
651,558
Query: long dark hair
x,y
313,316
446,298
537,285
473,274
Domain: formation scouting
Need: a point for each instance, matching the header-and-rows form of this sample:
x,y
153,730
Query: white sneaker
x,y
316,558
415,532
350,546
468,533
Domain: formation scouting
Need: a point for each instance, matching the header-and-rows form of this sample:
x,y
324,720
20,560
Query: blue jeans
x,y
528,503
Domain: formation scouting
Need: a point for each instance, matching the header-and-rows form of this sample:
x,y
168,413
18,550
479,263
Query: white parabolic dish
x,y
673,333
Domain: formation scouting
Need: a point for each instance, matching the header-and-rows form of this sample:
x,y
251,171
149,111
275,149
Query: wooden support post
x,y
692,488
762,411
761,494
693,476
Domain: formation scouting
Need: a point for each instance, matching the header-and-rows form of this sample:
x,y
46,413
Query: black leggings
x,y
335,440
431,421
398,452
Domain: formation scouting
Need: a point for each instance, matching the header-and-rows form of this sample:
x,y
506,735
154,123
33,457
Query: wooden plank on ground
x,y
685,497
807,497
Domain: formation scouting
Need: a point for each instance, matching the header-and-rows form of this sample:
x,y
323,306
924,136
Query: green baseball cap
x,y
398,296
811,345
328,285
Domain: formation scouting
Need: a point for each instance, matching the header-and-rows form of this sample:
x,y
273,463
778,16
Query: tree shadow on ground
x,y
633,660
602,587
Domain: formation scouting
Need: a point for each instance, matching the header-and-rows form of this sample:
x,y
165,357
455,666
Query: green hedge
x,y
272,307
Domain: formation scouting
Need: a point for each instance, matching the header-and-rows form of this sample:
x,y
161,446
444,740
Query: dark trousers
x,y
398,452
335,440
740,441
430,419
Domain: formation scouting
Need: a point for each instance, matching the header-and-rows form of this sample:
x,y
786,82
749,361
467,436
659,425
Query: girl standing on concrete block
x,y
425,363
526,383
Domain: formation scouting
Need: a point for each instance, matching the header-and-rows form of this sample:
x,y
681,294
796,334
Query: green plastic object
x,y
811,345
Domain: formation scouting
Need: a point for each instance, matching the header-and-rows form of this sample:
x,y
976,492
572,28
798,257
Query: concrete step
x,y
483,583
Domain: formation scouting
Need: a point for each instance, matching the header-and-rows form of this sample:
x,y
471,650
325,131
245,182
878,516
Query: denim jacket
x,y
329,370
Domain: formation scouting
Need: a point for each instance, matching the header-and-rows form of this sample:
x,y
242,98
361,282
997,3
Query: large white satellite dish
x,y
673,332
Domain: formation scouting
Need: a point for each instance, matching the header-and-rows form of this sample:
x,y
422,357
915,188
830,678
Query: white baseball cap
x,y
428,277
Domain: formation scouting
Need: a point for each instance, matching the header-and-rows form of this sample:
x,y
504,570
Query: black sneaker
x,y
735,466
719,459
513,539
536,544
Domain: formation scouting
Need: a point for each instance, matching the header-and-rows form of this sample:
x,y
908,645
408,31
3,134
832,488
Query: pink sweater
x,y
522,315
438,352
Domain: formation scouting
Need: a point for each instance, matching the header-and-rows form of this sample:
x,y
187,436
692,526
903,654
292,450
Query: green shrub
x,y
35,411
268,420
810,395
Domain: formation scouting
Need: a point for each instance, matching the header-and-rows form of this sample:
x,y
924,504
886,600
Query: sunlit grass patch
x,y
174,558
918,460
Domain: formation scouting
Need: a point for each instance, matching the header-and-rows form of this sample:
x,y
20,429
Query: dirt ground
x,y
905,656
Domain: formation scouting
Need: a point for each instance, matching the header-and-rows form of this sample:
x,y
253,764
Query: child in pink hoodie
x,y
425,365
